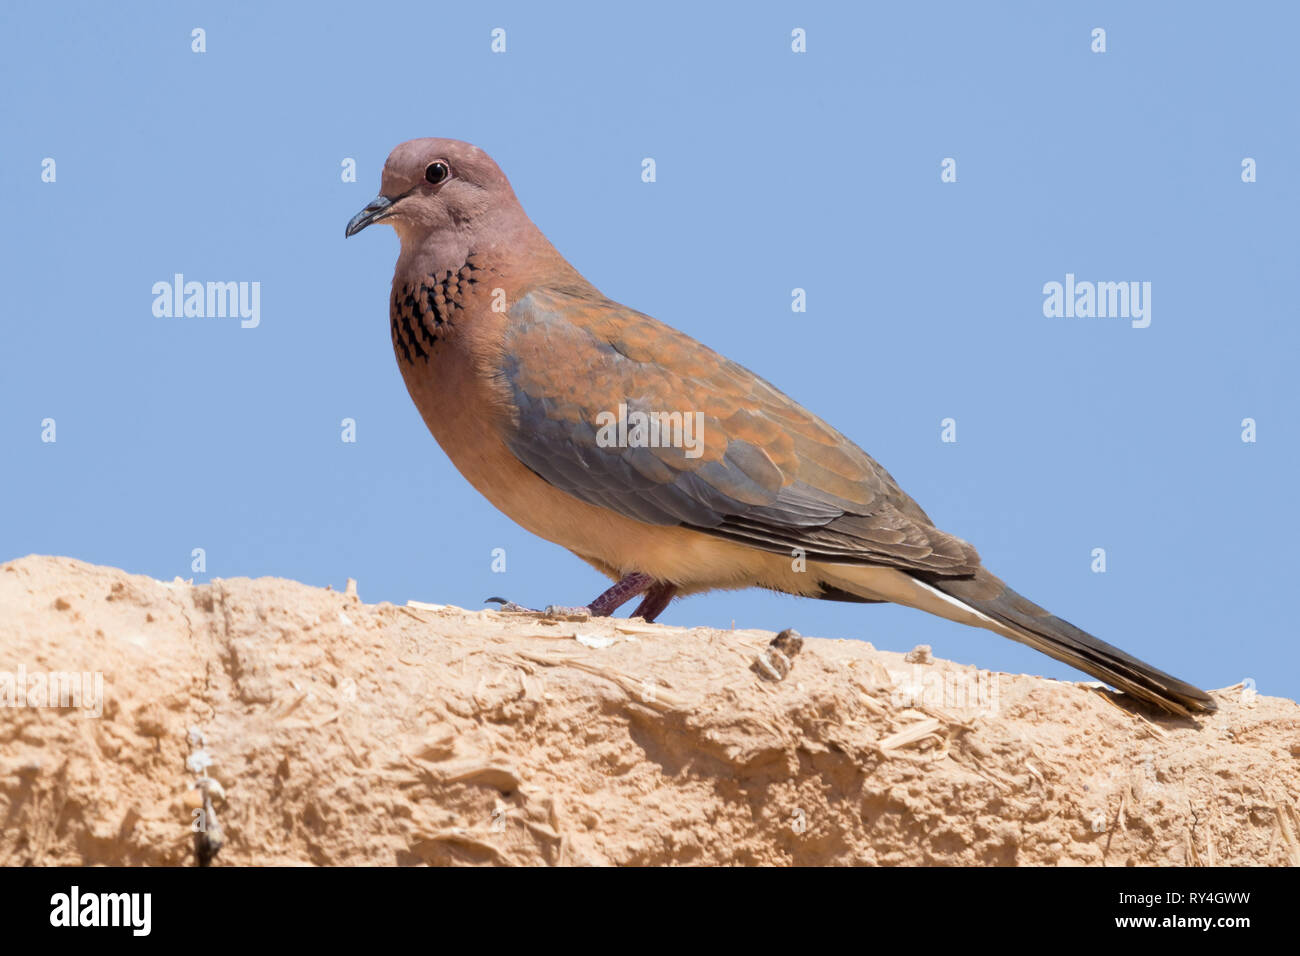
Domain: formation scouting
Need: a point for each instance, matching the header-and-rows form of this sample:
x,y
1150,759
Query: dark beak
x,y
378,208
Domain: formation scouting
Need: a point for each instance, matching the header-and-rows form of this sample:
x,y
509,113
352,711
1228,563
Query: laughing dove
x,y
650,456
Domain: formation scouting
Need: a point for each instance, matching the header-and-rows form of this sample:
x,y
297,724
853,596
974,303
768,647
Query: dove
x,y
667,467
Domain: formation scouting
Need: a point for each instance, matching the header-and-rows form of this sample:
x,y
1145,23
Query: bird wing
x,y
767,472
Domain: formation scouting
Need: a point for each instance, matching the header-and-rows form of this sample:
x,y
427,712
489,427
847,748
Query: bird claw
x,y
555,612
509,607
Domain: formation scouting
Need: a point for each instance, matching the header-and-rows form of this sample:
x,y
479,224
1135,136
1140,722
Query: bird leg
x,y
603,606
625,590
655,600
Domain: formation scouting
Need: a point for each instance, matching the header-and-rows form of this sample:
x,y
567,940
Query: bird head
x,y
434,186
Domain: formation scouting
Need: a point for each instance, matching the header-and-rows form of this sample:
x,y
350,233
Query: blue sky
x,y
775,171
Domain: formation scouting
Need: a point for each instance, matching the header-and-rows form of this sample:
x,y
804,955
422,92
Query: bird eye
x,y
436,172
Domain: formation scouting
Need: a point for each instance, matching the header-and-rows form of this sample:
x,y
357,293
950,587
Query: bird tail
x,y
985,601
1030,624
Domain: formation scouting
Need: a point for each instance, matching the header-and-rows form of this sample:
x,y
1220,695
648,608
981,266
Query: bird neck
x,y
509,249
